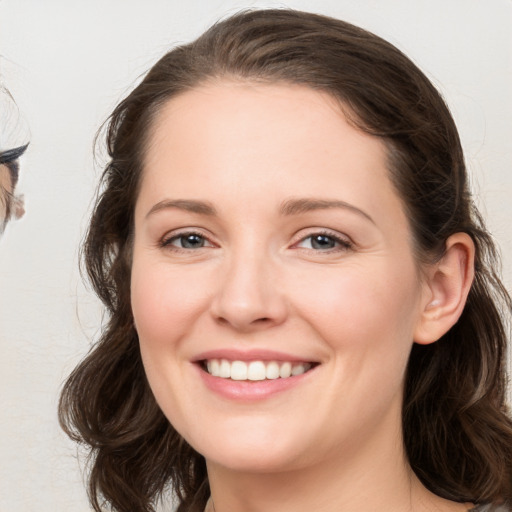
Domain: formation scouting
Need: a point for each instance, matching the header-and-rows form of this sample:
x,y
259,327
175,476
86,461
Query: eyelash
x,y
167,241
343,244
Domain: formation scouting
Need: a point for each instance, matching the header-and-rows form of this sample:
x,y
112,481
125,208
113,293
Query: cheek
x,y
165,301
361,306
165,304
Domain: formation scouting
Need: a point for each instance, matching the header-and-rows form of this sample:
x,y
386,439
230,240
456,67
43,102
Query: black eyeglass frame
x,y
10,158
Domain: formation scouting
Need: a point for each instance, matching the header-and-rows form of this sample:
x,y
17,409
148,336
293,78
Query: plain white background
x,y
68,63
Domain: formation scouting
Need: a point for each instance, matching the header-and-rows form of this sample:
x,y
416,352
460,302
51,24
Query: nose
x,y
249,296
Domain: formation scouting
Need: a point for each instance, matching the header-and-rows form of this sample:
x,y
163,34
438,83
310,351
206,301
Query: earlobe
x,y
447,286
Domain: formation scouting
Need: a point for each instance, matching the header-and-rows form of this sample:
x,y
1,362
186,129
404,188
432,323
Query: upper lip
x,y
251,355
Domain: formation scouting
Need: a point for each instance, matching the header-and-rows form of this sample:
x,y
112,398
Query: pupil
x,y
322,242
192,241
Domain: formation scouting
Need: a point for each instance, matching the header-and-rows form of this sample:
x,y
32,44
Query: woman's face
x,y
268,240
5,193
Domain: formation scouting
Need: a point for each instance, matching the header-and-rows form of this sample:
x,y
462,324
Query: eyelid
x,y
343,240
165,241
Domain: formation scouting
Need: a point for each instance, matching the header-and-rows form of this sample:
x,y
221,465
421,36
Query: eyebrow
x,y
289,207
189,205
303,205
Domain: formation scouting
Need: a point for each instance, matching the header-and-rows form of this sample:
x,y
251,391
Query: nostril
x,y
261,320
245,324
226,319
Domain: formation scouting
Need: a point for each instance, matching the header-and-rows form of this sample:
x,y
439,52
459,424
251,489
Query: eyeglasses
x,y
9,158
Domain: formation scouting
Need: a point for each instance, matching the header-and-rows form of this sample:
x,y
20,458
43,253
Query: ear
x,y
447,284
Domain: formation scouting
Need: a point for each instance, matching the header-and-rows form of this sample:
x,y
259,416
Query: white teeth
x,y
272,370
298,369
285,371
215,368
225,369
238,370
254,370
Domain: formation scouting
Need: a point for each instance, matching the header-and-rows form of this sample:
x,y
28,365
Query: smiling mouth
x,y
254,370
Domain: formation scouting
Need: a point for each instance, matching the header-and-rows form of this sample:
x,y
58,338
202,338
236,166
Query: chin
x,y
249,450
254,461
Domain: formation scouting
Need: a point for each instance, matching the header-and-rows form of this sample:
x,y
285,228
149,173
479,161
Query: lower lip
x,y
248,391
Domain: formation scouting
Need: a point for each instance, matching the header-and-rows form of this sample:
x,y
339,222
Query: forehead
x,y
249,105
263,143
270,124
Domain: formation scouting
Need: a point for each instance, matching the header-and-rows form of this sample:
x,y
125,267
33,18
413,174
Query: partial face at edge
x,y
6,190
11,205
267,230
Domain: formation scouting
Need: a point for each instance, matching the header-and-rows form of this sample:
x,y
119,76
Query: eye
x,y
187,240
324,242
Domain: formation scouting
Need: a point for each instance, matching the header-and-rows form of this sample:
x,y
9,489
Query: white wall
x,y
68,62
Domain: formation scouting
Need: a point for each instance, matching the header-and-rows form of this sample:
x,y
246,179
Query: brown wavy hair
x,y
457,432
